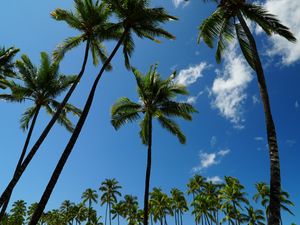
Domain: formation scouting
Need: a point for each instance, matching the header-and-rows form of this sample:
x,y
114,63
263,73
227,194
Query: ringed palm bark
x,y
7,64
91,20
134,17
90,196
157,101
41,86
225,24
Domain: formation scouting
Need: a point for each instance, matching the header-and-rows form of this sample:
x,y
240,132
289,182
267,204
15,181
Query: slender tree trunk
x,y
8,190
275,179
89,212
106,210
148,172
64,157
23,153
109,213
175,216
151,218
181,218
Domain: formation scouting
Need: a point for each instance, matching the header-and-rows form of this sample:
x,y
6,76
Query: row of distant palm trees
x,y
210,204
93,20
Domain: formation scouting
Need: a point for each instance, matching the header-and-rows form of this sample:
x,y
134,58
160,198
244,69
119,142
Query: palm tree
x,y
66,210
161,206
90,196
41,86
92,21
263,193
117,211
6,64
18,212
232,198
134,17
157,101
179,205
228,22
195,186
110,191
131,210
253,217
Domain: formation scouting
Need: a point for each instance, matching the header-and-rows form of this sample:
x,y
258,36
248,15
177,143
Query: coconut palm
x,y
134,16
179,205
18,212
110,191
130,208
7,64
161,206
41,86
232,197
66,209
91,20
117,210
90,196
225,24
263,193
253,217
156,102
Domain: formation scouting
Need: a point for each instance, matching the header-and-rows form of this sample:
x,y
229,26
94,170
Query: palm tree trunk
x,y
275,179
106,210
109,213
8,190
64,157
89,212
148,172
175,216
23,153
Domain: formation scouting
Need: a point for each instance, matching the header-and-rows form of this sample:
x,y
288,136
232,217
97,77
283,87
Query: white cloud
x,y
258,138
288,12
214,179
255,100
229,87
290,143
193,99
210,159
224,152
192,74
296,104
178,3
213,141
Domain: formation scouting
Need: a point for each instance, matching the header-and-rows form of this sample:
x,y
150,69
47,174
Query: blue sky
x,y
226,137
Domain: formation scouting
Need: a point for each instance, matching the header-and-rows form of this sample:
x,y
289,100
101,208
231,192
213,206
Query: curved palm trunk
x,y
4,207
275,179
64,157
148,173
8,190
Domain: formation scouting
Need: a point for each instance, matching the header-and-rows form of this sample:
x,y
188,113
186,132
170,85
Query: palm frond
x,y
171,126
27,116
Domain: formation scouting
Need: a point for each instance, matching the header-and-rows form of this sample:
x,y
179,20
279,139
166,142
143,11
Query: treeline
x,y
211,203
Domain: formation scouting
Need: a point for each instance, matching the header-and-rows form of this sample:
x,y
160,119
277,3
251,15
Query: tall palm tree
x,y
90,196
194,187
91,19
66,210
179,205
161,206
263,193
232,197
131,209
156,102
117,211
18,212
7,64
41,86
225,24
253,217
134,17
110,191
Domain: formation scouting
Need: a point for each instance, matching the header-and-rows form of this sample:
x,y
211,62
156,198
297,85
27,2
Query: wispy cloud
x,y
296,104
255,99
213,141
192,74
193,99
215,179
209,159
178,3
229,87
258,138
290,143
288,12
